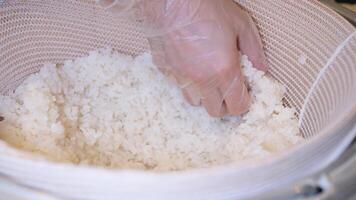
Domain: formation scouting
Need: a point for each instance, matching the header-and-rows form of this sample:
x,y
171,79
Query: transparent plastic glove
x,y
198,42
118,6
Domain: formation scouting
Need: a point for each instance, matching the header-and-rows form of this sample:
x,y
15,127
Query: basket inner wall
x,y
299,38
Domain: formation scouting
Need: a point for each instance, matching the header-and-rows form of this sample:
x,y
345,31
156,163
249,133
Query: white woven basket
x,y
310,49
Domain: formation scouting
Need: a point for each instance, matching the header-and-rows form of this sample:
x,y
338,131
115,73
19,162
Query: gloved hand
x,y
198,43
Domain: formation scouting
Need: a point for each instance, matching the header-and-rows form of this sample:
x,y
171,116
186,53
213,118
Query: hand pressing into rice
x,y
198,42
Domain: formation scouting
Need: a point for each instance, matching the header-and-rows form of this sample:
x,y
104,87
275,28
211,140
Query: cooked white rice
x,y
113,110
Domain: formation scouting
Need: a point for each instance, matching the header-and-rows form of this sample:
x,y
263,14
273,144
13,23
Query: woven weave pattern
x,y
36,32
310,49
303,30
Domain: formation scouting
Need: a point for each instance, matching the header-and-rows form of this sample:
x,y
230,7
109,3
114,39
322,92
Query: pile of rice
x,y
112,110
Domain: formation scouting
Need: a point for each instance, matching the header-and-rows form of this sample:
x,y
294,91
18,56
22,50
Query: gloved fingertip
x,y
219,114
245,105
261,64
191,98
214,105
